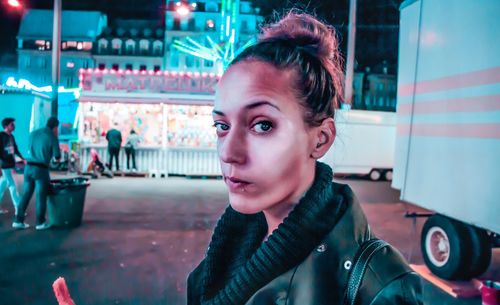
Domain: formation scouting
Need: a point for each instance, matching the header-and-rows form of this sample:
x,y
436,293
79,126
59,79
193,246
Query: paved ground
x,y
141,237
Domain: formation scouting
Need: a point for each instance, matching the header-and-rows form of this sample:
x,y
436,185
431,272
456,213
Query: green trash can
x,y
66,201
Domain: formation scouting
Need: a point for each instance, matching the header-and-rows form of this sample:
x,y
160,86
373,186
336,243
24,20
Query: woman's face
x,y
263,143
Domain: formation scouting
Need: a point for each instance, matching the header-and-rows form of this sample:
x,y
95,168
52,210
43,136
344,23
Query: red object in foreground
x,y
491,293
62,293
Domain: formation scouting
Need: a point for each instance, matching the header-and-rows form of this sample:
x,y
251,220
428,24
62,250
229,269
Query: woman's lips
x,y
235,184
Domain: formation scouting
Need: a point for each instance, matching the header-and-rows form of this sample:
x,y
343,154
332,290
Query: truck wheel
x,y
445,247
480,251
388,175
375,175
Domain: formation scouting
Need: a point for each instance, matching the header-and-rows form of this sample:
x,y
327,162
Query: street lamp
x,y
15,4
351,45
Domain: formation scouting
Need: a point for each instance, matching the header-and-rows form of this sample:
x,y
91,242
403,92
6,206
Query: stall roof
x,y
75,25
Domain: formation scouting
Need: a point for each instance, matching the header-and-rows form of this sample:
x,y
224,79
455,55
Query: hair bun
x,y
305,32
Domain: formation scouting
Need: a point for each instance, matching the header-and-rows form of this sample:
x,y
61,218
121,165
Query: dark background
x,y
377,31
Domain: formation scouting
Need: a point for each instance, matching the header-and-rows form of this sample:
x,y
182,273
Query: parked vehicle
x,y
364,144
447,157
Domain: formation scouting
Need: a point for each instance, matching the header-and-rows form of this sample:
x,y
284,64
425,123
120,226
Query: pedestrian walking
x,y
8,152
114,138
290,235
131,145
43,145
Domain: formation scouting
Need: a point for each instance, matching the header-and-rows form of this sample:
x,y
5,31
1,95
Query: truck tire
x,y
375,175
480,255
388,175
445,247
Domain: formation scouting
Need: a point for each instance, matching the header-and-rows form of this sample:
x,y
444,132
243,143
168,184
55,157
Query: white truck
x,y
447,157
364,144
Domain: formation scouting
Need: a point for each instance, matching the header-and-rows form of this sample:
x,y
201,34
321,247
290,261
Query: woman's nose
x,y
232,148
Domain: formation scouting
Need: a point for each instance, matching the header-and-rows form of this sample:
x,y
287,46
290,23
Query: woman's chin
x,y
244,205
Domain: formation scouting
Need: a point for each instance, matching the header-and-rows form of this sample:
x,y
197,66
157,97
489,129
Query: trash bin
x,y
66,200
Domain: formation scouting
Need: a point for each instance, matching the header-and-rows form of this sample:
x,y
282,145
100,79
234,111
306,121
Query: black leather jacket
x,y
322,277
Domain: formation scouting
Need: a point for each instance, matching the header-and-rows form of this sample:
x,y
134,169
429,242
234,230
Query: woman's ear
x,y
324,135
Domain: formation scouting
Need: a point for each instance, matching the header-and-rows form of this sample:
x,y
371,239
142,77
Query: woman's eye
x,y
262,127
221,127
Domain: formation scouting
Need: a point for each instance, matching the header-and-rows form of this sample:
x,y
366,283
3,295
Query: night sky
x,y
377,20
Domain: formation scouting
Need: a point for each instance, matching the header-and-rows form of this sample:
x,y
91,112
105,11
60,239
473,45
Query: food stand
x,y
171,111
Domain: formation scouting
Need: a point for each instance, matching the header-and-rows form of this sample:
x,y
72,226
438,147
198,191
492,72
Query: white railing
x,y
163,161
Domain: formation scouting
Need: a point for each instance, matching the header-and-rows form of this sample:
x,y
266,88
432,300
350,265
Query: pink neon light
x,y
204,74
165,73
112,71
211,75
469,104
151,72
136,72
481,131
120,71
89,70
81,70
105,71
470,79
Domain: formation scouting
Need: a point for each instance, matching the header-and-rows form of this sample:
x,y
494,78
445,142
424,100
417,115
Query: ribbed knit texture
x,y
238,263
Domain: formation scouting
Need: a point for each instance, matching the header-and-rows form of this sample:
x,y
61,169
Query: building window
x,y
209,63
40,44
143,68
102,66
157,47
177,24
129,67
174,59
27,62
102,46
130,47
71,44
244,26
191,24
156,68
144,46
116,45
210,25
69,82
87,45
189,61
115,67
85,64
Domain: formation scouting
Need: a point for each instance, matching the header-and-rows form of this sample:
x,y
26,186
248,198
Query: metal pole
x,y
56,55
351,45
165,59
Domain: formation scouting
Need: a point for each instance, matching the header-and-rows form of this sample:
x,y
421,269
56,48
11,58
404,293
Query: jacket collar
x,y
238,263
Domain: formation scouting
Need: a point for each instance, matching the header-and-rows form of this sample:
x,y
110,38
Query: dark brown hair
x,y
309,47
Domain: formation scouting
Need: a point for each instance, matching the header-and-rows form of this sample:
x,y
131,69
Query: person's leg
x,y
11,183
133,159
28,188
3,187
42,184
128,152
110,153
117,156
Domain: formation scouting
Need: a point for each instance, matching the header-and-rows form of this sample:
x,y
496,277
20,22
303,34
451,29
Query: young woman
x,y
290,235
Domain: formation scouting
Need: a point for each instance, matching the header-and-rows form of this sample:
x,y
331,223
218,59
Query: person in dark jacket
x,y
8,151
43,145
289,235
114,137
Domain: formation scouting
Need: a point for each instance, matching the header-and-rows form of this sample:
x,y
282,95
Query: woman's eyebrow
x,y
249,106
218,112
261,103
